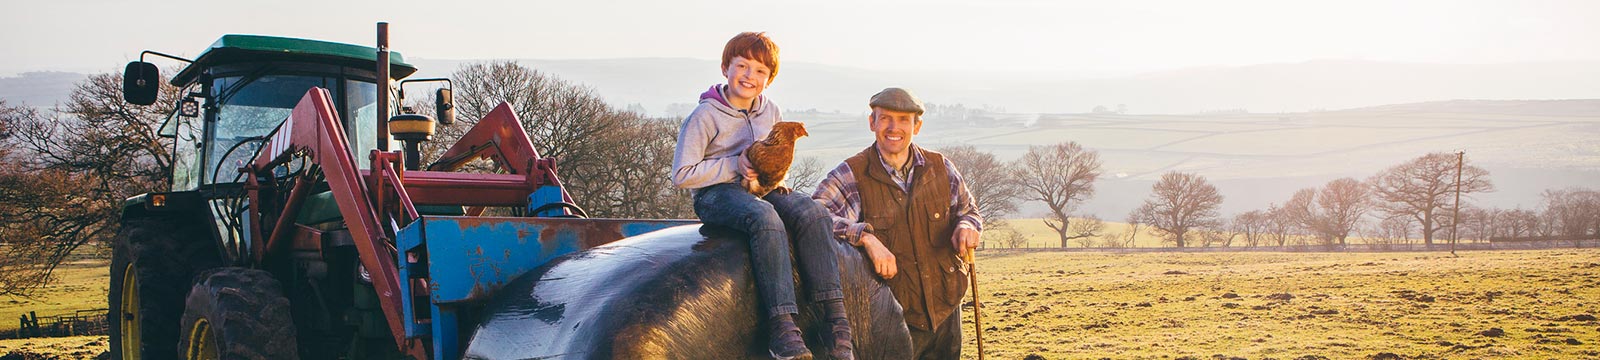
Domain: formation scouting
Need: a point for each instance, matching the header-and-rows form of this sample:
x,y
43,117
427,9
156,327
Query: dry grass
x,y
77,285
1175,305
74,347
1289,306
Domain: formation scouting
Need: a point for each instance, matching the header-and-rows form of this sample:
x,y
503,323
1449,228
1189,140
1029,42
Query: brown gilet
x,y
931,278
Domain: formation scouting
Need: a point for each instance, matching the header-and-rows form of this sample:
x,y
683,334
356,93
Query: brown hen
x,y
772,156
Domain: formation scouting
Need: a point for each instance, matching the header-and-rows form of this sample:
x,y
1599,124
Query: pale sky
x,y
1031,38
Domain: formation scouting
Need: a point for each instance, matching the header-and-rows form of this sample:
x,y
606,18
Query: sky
x,y
1020,37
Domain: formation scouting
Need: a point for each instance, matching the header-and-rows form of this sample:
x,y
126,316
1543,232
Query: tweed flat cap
x,y
897,99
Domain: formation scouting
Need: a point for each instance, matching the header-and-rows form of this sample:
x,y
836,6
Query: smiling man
x,y
909,210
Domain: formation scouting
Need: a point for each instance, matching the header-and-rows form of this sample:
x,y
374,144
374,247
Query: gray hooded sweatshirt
x,y
714,136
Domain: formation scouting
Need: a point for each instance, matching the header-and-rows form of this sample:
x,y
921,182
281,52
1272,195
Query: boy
x,y
710,160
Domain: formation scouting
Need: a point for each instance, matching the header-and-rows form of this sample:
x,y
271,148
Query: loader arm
x,y
375,204
312,130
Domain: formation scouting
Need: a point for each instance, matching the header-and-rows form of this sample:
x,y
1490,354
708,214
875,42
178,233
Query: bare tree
x,y
67,171
1135,224
1517,223
1575,212
1252,225
1220,234
1548,225
1059,175
1301,211
636,183
1086,229
994,189
1424,190
1476,222
1331,213
805,174
1181,202
614,162
1281,224
1390,231
1343,202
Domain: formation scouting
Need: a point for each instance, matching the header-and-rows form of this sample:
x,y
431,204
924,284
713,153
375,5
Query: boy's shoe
x,y
839,327
843,349
786,342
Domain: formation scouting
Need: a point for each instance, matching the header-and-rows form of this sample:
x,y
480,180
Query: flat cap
x,y
897,99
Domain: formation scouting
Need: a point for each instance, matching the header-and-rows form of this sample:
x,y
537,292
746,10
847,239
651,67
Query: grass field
x,y
64,348
1506,304
77,285
1502,304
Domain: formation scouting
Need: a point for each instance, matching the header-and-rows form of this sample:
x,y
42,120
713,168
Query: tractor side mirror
x,y
444,107
140,82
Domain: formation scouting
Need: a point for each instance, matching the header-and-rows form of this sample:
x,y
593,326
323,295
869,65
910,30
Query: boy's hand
x,y
748,171
882,259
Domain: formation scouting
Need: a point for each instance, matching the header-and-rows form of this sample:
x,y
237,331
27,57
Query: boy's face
x,y
894,129
746,79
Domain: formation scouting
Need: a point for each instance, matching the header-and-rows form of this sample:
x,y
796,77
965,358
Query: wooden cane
x,y
977,315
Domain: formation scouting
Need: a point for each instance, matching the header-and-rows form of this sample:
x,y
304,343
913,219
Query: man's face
x,y
894,130
746,79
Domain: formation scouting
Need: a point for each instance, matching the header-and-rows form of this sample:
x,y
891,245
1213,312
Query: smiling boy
x,y
710,160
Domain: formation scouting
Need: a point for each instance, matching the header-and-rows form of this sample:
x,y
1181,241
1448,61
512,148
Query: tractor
x,y
292,230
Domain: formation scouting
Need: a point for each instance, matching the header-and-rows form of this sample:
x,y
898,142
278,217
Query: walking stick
x,y
977,315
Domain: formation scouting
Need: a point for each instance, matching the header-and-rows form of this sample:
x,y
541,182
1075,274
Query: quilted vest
x,y
931,279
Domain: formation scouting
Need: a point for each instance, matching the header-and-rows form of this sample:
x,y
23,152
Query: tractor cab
x,y
239,90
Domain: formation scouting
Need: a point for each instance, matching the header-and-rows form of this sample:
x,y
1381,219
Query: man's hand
x,y
882,259
964,240
749,172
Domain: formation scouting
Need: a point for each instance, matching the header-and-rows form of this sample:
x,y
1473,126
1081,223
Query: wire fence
x,y
81,322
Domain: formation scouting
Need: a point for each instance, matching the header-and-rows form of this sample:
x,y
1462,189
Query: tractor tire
x,y
153,263
237,314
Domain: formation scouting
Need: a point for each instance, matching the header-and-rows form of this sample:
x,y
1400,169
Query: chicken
x,y
771,157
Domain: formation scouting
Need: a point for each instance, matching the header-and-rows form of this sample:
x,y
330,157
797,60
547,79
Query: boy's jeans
x,y
770,221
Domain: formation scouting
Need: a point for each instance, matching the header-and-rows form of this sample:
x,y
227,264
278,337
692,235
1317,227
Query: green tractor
x,y
182,264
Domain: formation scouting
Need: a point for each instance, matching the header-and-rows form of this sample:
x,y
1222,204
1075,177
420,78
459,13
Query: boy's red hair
x,y
754,46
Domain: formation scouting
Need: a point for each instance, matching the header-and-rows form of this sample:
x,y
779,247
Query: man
x,y
908,208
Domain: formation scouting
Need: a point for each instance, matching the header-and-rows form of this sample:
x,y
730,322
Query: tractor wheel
x,y
152,264
237,313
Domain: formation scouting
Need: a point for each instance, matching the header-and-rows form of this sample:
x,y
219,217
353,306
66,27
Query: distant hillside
x,y
1259,159
656,83
1576,107
41,89
659,83
1293,134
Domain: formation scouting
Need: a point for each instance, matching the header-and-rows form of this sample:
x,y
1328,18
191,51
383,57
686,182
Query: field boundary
x,y
77,323
1352,248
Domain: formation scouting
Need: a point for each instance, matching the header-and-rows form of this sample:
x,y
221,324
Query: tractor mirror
x,y
444,106
140,81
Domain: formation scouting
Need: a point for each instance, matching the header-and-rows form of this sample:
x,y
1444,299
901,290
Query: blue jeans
x,y
771,222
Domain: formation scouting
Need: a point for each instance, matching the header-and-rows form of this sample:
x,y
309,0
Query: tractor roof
x,y
234,48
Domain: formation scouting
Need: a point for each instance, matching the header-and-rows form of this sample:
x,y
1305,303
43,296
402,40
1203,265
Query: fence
x,y
1474,246
81,322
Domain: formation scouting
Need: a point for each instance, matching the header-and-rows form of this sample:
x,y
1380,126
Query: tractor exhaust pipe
x,y
383,87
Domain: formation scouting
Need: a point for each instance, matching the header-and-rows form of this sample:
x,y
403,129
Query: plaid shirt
x,y
841,195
